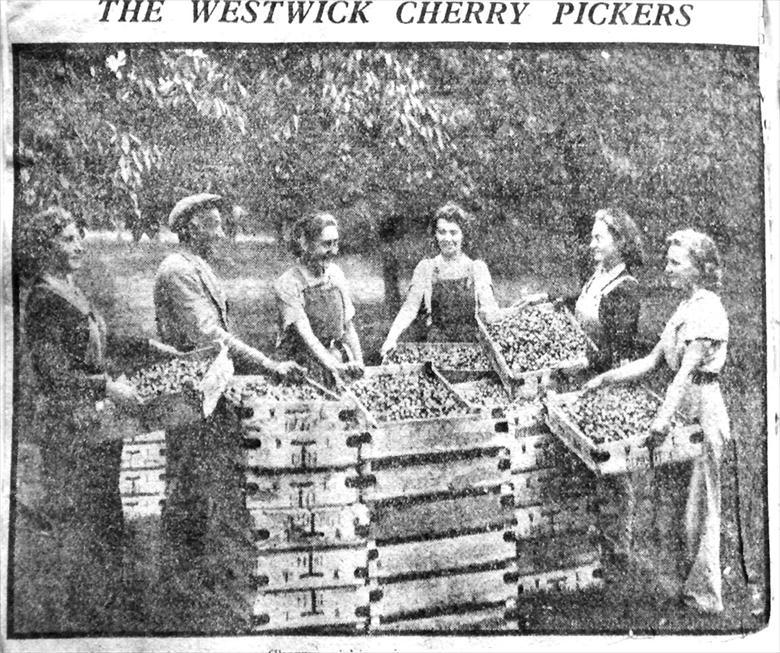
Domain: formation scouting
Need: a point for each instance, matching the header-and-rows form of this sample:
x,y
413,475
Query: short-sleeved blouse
x,y
289,288
702,317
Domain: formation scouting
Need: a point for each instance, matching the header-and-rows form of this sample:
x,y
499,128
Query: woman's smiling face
x,y
67,253
680,270
449,238
603,247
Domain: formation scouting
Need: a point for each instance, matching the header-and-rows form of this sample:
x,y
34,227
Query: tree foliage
x,y
524,137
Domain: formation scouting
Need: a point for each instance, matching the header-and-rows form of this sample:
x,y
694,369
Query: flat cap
x,y
181,213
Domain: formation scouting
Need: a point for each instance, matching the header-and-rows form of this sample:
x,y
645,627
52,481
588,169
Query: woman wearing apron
x,y
67,340
315,310
608,310
449,289
693,345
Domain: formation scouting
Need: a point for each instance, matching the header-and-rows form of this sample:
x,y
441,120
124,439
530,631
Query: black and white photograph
x,y
382,345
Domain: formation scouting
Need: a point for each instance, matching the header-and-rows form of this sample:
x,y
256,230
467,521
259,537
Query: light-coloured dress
x,y
703,318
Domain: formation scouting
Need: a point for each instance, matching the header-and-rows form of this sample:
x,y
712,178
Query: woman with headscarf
x,y
693,345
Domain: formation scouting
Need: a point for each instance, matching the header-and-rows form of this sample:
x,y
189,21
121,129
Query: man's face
x,y
206,227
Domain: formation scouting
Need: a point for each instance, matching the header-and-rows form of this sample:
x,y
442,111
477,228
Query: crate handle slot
x,y
262,534
502,427
601,457
261,620
252,443
360,482
697,437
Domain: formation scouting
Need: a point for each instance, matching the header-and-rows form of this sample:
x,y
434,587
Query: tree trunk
x,y
390,276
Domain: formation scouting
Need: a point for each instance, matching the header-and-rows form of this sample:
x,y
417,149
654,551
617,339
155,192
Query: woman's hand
x,y
290,370
387,347
163,349
121,393
598,381
659,429
351,369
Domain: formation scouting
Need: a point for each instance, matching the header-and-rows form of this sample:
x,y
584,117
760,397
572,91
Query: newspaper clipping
x,y
389,325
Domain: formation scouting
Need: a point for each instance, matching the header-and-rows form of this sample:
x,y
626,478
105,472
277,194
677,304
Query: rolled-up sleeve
x,y
289,300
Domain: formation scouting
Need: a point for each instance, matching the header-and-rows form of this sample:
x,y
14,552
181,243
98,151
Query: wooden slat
x,y
555,518
410,476
567,550
311,567
550,484
497,618
458,588
142,482
300,490
437,435
418,519
315,449
286,529
446,553
561,580
296,609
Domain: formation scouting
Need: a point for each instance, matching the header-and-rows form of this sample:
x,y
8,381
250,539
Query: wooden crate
x,y
447,515
433,555
530,383
618,457
421,436
275,489
435,473
412,594
262,417
280,610
281,529
311,567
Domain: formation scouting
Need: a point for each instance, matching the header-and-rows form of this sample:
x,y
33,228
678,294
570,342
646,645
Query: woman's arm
x,y
630,371
487,306
410,307
353,342
695,354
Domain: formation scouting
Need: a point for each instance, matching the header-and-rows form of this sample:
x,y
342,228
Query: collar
x,y
69,292
314,280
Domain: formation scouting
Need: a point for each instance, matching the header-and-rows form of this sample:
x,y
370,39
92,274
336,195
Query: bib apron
x,y
453,309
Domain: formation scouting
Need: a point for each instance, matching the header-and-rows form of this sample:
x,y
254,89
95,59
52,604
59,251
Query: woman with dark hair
x,y
315,310
68,341
608,310
450,289
608,306
693,345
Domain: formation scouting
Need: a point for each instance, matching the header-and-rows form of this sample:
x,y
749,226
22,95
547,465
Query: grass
x,y
119,277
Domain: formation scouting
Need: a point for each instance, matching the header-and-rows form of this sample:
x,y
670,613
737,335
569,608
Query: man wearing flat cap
x,y
190,306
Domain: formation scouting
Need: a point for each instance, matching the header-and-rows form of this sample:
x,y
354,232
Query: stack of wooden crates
x,y
338,523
